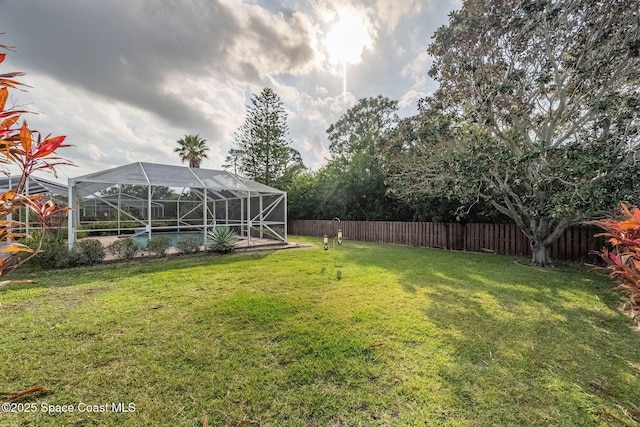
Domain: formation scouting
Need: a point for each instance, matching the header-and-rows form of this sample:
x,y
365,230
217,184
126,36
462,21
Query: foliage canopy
x,y
192,149
536,113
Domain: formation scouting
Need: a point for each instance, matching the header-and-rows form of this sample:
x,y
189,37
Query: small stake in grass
x,y
325,240
339,238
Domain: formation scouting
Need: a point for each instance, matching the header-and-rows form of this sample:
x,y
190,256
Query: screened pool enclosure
x,y
147,198
35,185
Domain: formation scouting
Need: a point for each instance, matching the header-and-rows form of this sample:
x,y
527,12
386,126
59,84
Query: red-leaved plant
x,y
20,148
29,151
623,260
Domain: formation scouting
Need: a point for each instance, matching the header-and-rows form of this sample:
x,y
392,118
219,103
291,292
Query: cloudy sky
x,y
125,79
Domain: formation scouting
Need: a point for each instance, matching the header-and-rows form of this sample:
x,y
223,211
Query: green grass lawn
x,y
380,335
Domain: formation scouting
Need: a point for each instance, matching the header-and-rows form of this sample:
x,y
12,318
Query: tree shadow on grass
x,y
77,276
548,342
535,351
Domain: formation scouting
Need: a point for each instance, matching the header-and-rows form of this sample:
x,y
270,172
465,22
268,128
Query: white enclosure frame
x,y
34,185
261,210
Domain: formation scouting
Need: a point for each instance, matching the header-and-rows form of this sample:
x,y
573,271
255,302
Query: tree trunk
x,y
540,253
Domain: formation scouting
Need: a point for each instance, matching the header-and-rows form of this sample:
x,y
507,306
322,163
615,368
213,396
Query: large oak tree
x,y
545,98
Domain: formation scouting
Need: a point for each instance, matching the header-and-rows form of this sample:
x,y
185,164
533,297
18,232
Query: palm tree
x,y
192,149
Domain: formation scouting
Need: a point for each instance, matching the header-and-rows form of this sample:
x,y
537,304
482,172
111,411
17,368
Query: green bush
x,y
188,244
54,252
87,252
124,248
159,245
88,227
90,224
222,240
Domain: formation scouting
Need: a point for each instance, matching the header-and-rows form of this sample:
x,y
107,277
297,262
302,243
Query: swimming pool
x,y
143,239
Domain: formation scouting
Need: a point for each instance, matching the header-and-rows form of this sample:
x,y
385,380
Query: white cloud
x,y
320,90
91,151
125,83
417,69
391,11
410,98
269,43
422,85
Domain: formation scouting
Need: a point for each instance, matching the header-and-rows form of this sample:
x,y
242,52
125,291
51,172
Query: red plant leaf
x,y
15,248
615,259
6,124
26,138
615,241
4,94
17,394
12,74
46,209
8,195
10,113
625,210
49,146
20,147
10,83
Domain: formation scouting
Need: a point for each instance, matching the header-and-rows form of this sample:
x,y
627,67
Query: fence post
x,y
575,243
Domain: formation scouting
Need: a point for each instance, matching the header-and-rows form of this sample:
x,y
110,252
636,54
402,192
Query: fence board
x,y
576,243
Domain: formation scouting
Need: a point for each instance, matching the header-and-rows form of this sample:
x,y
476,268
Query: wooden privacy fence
x,y
576,243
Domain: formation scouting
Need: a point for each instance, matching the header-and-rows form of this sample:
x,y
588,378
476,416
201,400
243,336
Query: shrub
x,y
623,260
188,244
87,252
88,228
222,240
54,252
124,248
159,245
91,224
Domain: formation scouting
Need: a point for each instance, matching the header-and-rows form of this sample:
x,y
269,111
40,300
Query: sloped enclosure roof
x,y
37,185
154,174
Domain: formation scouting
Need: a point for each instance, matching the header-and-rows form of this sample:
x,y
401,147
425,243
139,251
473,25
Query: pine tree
x,y
263,151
